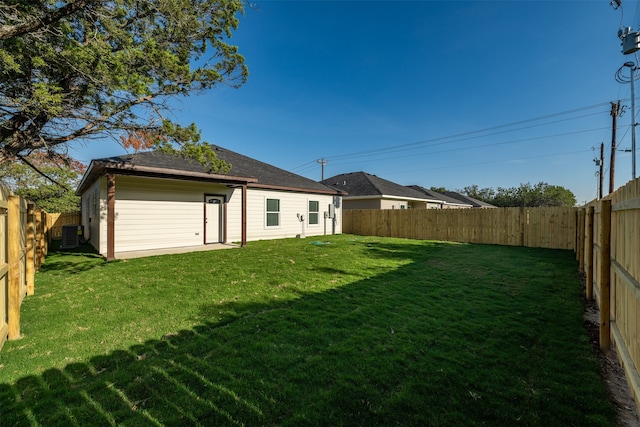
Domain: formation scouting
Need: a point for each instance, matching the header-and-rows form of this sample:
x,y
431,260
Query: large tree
x,y
86,69
49,181
526,195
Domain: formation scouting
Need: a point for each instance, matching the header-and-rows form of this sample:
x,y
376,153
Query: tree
x,y
439,189
87,69
53,193
526,195
479,193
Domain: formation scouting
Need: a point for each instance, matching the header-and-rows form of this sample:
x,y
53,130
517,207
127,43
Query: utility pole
x,y
322,162
615,111
633,124
601,177
620,78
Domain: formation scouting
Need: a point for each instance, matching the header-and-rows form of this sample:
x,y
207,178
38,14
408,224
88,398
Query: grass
x,y
343,331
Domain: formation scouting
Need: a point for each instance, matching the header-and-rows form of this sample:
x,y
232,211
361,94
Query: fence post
x,y
31,236
605,275
39,239
581,237
522,225
13,261
47,235
589,253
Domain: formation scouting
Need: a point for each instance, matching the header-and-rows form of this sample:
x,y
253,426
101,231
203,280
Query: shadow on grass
x,y
58,259
412,346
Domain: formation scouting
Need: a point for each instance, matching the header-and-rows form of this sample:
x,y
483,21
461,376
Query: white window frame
x,y
310,212
268,212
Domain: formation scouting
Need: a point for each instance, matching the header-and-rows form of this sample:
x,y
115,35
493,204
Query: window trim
x,y
267,212
309,212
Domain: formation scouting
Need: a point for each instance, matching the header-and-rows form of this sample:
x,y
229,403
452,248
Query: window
x,y
314,209
273,212
403,206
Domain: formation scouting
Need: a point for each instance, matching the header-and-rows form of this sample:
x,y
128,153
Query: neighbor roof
x,y
358,184
244,170
439,196
470,200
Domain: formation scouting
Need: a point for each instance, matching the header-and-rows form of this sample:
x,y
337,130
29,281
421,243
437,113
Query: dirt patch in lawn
x,y
612,371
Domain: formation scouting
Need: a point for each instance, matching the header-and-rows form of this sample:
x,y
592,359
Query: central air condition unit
x,y
71,236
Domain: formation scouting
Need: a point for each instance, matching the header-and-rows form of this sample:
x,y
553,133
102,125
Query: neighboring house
x,y
447,202
153,200
470,200
366,191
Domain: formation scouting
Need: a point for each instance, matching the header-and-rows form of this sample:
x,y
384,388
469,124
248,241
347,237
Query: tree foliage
x,y
86,69
51,196
526,195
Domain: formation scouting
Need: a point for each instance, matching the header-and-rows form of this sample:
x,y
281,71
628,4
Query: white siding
x,y
361,203
393,204
234,214
153,213
160,213
92,201
291,204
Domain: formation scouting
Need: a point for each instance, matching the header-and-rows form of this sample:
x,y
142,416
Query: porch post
x,y
244,215
111,216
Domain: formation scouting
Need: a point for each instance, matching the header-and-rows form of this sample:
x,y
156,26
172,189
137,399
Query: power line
x,y
480,146
479,131
302,165
414,147
501,161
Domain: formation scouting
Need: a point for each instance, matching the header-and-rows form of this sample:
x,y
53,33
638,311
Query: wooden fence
x,y
553,227
25,235
609,256
55,221
604,233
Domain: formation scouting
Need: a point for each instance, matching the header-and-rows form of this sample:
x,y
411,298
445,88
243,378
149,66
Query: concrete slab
x,y
170,251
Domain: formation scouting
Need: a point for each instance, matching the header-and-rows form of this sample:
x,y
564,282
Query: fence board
x,y
623,276
55,222
24,242
14,296
4,268
533,227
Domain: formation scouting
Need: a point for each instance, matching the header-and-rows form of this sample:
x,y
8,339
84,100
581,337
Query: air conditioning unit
x,y
71,236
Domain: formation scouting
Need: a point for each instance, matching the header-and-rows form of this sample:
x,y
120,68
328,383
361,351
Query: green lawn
x,y
343,330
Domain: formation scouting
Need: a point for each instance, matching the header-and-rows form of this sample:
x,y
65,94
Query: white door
x,y
213,219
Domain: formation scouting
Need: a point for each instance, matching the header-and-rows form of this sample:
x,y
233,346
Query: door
x,y
213,219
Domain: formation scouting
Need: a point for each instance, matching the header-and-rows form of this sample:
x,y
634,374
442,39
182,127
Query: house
x,y
469,200
153,200
366,191
447,201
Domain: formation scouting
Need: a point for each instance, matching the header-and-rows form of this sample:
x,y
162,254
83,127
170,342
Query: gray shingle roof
x,y
243,169
365,184
439,196
470,200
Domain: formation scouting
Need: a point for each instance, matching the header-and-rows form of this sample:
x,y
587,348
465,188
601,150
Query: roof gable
x,y
439,196
365,184
466,199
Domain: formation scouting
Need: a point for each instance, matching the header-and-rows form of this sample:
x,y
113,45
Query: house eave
x,y
97,169
295,189
389,197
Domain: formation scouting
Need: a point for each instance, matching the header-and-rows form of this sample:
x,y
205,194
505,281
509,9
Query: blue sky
x,y
445,94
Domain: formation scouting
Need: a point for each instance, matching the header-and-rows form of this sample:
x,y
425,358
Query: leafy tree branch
x,y
90,69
